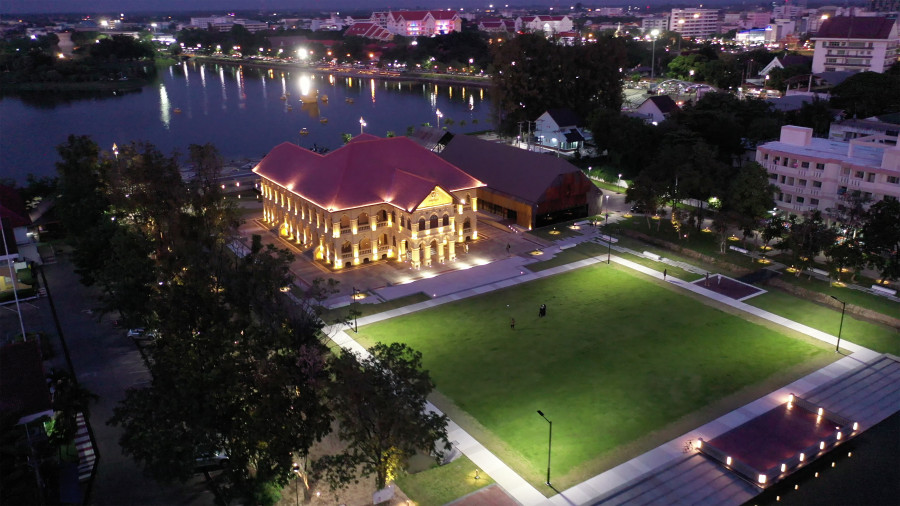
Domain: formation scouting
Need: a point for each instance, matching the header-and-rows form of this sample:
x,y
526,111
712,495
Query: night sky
x,y
217,6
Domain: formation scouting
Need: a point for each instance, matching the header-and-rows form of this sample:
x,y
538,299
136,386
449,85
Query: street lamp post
x,y
549,445
362,124
439,116
654,34
355,321
296,469
837,347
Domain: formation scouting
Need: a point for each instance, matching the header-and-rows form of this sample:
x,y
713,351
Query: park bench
x,y
567,246
820,272
607,238
652,256
883,291
739,250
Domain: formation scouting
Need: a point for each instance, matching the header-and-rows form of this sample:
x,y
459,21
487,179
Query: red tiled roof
x,y
443,14
369,30
365,171
409,15
847,27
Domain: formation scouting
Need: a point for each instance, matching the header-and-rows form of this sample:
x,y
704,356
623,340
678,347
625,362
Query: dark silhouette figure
x,y
512,324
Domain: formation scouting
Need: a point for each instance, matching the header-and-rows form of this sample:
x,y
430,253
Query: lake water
x,y
238,109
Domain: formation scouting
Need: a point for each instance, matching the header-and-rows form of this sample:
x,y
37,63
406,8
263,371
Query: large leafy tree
x,y
806,239
881,233
533,74
868,94
749,198
380,403
236,366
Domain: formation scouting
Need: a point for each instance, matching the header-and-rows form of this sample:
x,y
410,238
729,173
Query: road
x,y
107,363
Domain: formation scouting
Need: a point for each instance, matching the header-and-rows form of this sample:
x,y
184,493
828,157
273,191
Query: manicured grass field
x,y
439,485
616,358
877,337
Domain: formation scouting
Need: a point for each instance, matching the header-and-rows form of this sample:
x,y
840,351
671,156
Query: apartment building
x,y
855,44
700,23
813,174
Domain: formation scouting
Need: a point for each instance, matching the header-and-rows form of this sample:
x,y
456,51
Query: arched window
x,y
365,246
446,220
433,222
421,224
346,247
467,224
382,240
468,199
345,221
382,215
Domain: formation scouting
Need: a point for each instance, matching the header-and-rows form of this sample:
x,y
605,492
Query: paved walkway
x,y
485,278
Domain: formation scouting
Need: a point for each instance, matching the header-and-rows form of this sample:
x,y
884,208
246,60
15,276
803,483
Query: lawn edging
x,y
821,298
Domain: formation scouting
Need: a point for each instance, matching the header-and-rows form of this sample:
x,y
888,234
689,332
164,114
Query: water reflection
x,y
246,125
165,108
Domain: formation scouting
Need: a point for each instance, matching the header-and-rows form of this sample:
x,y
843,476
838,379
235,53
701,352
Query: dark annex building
x,y
529,188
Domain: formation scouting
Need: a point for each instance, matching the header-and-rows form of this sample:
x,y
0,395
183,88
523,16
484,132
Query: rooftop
x,y
368,170
832,150
851,27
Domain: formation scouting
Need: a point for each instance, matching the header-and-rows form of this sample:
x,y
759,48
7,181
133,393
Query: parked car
x,y
138,332
217,459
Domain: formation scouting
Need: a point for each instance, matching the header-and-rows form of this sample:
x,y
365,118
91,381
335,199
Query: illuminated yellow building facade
x,y
372,199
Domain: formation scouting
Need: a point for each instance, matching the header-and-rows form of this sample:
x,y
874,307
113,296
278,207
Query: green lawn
x,y
877,337
617,357
439,485
862,299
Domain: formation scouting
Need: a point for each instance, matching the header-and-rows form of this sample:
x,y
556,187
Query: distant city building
x,y
497,25
369,200
813,174
788,11
855,44
224,23
700,23
369,30
418,23
609,11
651,23
884,5
550,25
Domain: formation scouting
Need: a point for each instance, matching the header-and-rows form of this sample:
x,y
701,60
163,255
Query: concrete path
x,y
501,274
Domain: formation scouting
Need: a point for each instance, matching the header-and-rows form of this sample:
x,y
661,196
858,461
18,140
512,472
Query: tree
x,y
806,239
380,402
816,115
843,255
868,94
881,234
533,74
749,198
647,194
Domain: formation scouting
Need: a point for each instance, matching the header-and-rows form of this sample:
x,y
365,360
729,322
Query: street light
x,y
549,445
439,116
115,150
841,327
362,124
355,312
296,469
654,33
619,182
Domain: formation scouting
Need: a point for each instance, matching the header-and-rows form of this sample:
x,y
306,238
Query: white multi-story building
x,y
812,174
550,25
699,23
224,23
419,23
651,23
856,44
